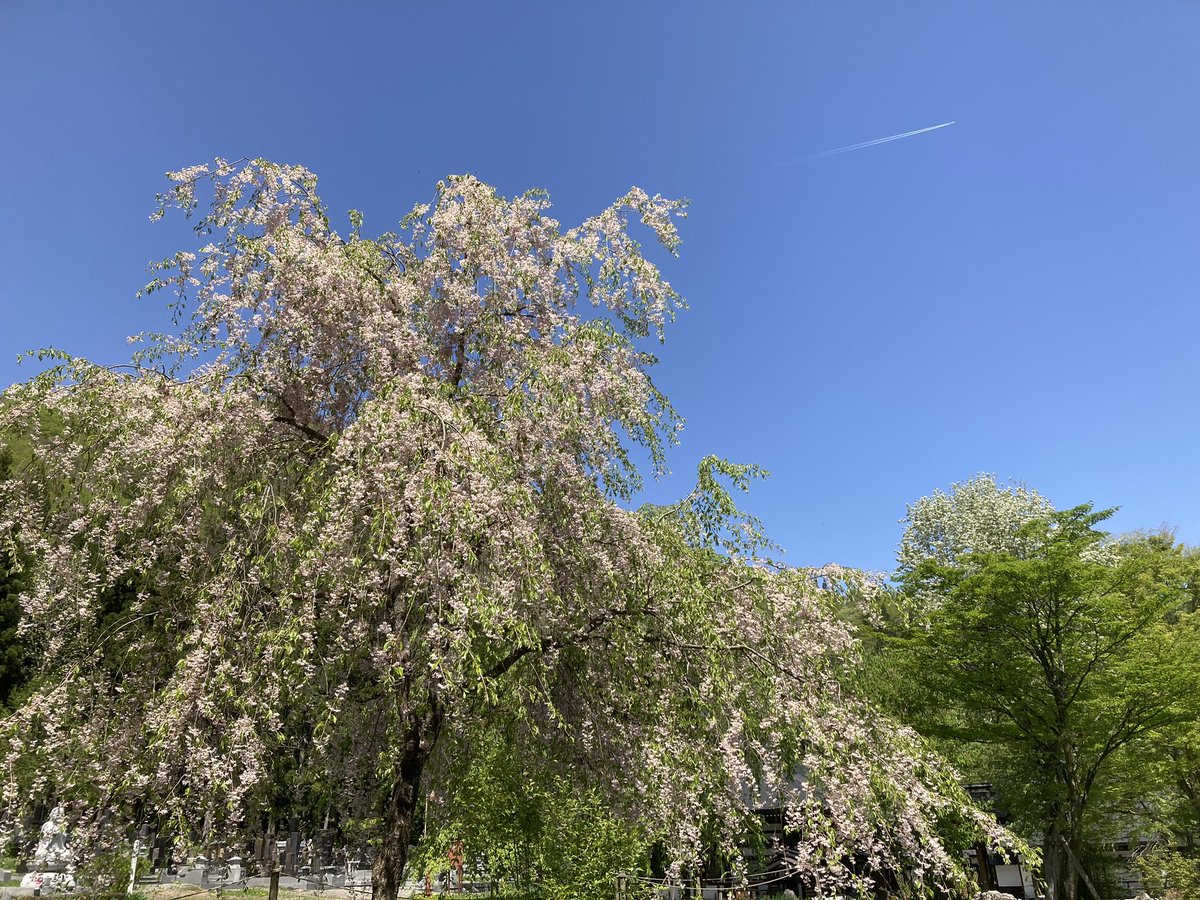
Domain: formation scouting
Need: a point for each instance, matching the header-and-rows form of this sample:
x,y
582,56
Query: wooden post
x,y
983,866
273,890
137,846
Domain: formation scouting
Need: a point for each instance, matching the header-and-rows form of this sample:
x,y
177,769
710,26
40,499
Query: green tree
x,y
1169,875
1068,656
528,828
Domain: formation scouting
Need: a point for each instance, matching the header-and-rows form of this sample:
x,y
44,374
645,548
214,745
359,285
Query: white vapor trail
x,y
862,146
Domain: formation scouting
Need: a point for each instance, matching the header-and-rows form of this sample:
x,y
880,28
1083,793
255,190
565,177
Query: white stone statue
x,y
52,850
53,858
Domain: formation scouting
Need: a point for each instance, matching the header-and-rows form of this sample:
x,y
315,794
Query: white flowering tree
x,y
979,515
975,516
367,496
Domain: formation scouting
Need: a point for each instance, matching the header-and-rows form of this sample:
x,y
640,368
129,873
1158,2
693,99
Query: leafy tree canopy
x,y
1064,650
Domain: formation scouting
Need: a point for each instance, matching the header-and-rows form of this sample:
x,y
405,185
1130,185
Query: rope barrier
x,y
356,887
724,883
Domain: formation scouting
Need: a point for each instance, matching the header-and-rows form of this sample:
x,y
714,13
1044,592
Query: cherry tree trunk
x,y
399,810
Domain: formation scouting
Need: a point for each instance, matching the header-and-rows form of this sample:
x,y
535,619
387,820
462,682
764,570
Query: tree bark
x,y
1073,851
1051,863
1070,881
1074,866
400,806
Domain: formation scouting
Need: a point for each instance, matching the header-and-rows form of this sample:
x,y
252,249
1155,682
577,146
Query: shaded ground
x,y
180,891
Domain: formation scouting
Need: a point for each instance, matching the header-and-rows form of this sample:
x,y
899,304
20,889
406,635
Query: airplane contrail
x,y
862,146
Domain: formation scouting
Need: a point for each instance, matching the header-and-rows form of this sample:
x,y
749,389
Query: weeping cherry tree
x,y
373,492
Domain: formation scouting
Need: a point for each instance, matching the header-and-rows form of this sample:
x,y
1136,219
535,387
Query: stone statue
x,y
52,851
53,858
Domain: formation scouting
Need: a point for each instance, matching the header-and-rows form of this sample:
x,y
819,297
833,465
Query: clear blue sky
x,y
1016,293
